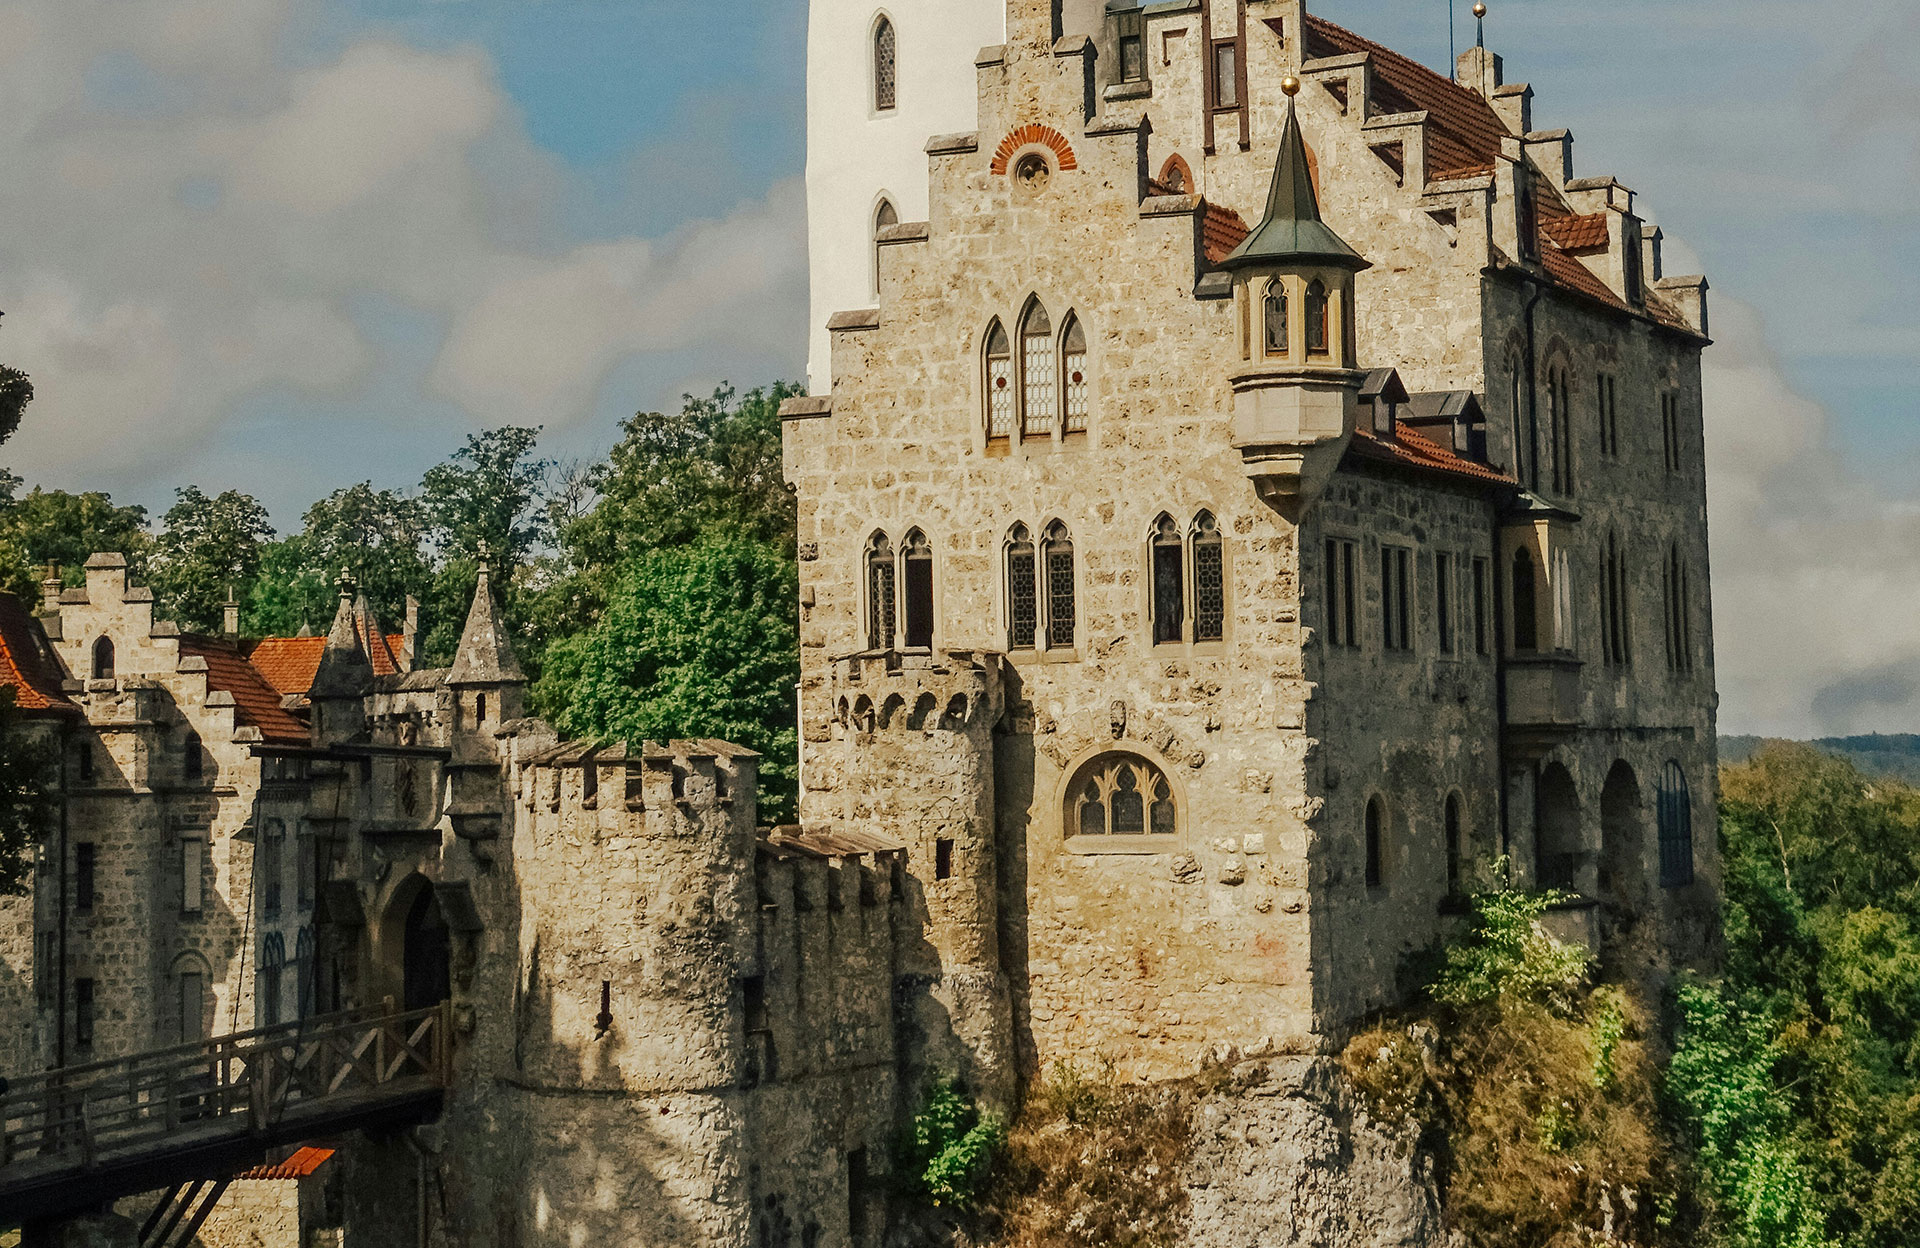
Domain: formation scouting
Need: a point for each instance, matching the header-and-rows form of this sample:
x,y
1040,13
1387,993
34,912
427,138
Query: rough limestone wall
x,y
19,1052
1285,1155
1409,727
257,1213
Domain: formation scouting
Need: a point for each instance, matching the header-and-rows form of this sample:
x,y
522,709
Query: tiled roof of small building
x,y
302,1163
1410,449
1463,131
27,662
1221,230
256,702
288,663
1577,233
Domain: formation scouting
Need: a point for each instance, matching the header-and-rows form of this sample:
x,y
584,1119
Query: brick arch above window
x,y
1176,176
1034,136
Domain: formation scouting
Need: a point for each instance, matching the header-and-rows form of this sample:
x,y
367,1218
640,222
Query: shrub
x,y
950,1151
1506,954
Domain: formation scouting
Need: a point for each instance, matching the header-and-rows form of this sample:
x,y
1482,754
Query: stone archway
x,y
1557,852
425,946
1622,841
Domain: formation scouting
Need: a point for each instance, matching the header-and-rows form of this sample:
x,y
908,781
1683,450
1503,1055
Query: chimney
x,y
410,636
230,616
50,590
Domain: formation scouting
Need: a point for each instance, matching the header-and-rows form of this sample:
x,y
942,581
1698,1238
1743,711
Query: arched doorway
x,y
1556,830
427,959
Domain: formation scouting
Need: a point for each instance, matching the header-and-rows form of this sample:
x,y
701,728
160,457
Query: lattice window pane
x,y
880,611
1060,603
1676,829
999,396
1169,611
1209,590
1036,371
1076,366
886,68
1023,597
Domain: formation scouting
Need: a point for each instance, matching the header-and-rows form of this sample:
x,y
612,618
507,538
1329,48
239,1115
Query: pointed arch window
x,y
1209,580
1616,641
1274,319
880,593
1526,611
1023,600
273,845
1317,330
273,962
1525,467
1676,828
303,973
885,217
1560,431
999,382
917,565
886,66
1073,372
1036,373
1120,795
1679,618
1058,553
1169,583
103,659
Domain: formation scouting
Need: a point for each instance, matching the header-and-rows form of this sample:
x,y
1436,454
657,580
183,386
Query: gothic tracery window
x,y
1036,373
1317,334
1023,602
917,564
1675,816
1169,582
1274,319
880,593
886,66
999,382
1209,580
273,961
1060,589
1121,795
1073,371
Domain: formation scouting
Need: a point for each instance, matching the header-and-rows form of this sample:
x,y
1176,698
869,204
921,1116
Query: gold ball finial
x,y
1479,10
1290,85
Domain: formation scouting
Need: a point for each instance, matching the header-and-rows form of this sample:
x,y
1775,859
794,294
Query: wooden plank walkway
x,y
74,1138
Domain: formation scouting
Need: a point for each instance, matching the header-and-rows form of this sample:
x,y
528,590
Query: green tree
x,y
292,591
16,391
696,641
491,496
375,536
53,526
26,796
207,549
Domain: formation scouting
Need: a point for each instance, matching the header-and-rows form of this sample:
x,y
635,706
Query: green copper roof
x,y
1292,231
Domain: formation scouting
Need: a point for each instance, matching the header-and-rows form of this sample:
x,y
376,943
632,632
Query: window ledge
x,y
1136,846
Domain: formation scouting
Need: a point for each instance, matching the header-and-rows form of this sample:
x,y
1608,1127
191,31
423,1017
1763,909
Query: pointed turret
x,y
485,656
344,677
1296,391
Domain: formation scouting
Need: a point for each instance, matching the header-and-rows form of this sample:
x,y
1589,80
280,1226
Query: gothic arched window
x,y
303,973
1274,319
1675,591
917,562
273,961
1119,795
880,573
1036,372
1560,430
886,66
999,382
1209,580
1526,611
1525,456
884,218
1058,553
1317,335
193,758
1023,602
103,659
1676,828
1073,371
273,843
1169,582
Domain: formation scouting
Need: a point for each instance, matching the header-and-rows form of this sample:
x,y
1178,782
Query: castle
x,y
1249,484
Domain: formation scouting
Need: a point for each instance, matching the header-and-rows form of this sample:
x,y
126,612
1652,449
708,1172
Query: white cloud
x,y
170,259
1816,576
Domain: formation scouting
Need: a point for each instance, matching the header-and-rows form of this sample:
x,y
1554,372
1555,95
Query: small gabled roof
x,y
1292,231
256,702
1409,448
1383,383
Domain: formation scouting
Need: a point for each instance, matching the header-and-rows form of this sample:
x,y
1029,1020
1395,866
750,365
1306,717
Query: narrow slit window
x,y
880,585
918,561
83,1013
1455,847
1482,634
1676,828
999,383
886,66
85,862
1443,600
1073,368
1317,338
1376,847
943,858
192,1006
272,846
1023,603
1526,612
1395,606
1209,580
1342,597
884,219
1060,588
1036,374
1226,74
1169,579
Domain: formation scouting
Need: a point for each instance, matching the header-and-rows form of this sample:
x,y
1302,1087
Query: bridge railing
x,y
251,1078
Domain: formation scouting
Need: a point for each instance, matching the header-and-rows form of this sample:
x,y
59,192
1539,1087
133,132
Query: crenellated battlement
x,y
656,788
949,691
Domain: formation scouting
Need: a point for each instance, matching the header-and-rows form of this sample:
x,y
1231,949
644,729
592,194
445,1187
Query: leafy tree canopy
x,y
491,496
53,526
26,795
696,641
208,548
16,391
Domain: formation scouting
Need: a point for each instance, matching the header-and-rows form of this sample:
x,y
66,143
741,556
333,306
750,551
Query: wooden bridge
x,y
76,1138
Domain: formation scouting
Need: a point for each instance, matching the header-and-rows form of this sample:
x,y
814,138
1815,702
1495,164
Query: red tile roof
x,y
257,703
1463,131
302,1163
27,662
1570,273
288,663
1221,230
1411,449
1577,233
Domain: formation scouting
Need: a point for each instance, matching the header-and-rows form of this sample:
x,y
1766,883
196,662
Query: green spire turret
x,y
1292,232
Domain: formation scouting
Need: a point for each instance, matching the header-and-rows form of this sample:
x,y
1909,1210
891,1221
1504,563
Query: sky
x,y
288,245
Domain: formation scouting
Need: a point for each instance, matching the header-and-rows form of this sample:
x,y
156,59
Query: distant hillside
x,y
1895,756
